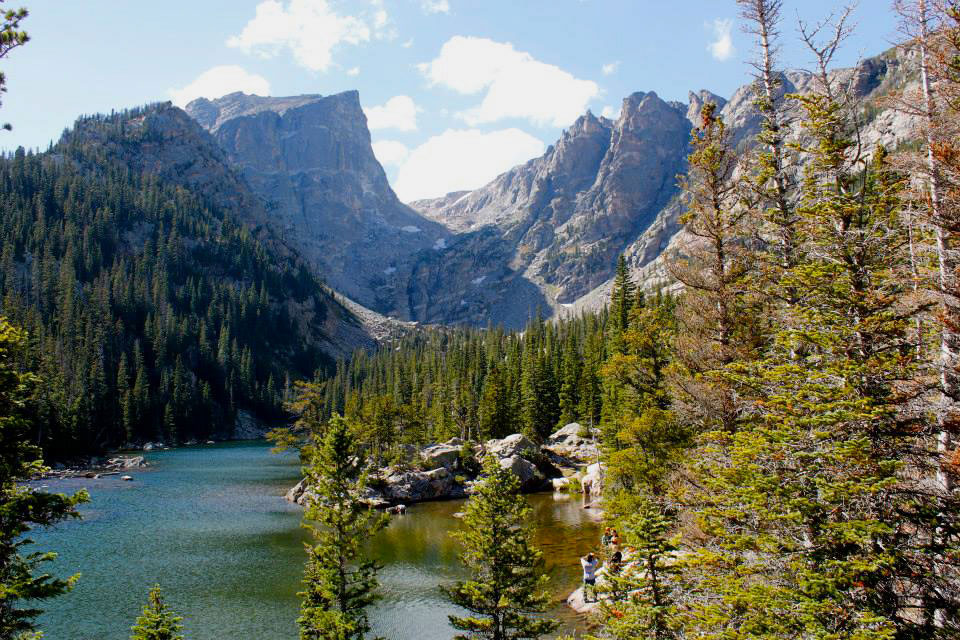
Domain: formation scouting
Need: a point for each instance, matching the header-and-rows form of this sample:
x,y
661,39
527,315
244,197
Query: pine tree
x,y
157,622
21,507
339,581
644,595
11,37
717,312
815,524
506,589
622,297
642,437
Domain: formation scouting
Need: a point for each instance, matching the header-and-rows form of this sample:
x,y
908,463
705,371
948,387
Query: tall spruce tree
x,y
506,591
717,312
340,581
22,508
157,622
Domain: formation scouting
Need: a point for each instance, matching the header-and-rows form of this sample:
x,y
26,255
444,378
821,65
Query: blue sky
x,y
456,91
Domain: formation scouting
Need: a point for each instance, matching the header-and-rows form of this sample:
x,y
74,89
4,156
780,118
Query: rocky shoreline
x,y
448,470
95,468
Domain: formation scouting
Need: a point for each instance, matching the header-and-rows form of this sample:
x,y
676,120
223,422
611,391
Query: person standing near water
x,y
589,563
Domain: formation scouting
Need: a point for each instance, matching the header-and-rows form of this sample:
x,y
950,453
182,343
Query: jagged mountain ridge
x,y
570,219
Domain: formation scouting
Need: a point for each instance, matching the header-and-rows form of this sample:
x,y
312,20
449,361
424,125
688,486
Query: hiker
x,y
615,563
589,563
586,486
614,540
606,537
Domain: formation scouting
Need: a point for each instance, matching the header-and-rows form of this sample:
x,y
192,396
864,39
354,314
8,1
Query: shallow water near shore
x,y
210,525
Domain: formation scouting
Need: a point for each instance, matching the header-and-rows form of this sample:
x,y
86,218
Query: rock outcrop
x,y
443,474
569,213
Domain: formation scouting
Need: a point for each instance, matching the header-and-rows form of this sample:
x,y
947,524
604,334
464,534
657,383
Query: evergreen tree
x,y
339,581
21,507
157,622
717,312
622,297
506,589
644,595
11,37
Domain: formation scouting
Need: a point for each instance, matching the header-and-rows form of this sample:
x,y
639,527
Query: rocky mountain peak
x,y
309,158
211,114
697,100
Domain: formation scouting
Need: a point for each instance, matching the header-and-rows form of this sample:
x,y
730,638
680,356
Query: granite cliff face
x,y
309,159
163,141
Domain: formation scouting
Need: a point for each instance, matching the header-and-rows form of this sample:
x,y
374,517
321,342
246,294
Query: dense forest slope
x,y
154,312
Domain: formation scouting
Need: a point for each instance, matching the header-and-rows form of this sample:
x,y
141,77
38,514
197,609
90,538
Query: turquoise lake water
x,y
210,525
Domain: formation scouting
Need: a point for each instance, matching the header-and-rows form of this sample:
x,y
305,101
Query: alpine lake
x,y
209,524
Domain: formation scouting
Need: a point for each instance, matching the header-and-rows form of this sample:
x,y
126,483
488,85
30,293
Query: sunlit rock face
x,y
310,159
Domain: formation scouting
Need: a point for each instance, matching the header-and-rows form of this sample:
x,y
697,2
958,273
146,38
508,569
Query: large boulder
x,y
569,443
513,445
297,493
420,486
592,480
530,477
122,462
445,454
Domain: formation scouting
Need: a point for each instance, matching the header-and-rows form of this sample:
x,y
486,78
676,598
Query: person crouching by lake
x,y
590,563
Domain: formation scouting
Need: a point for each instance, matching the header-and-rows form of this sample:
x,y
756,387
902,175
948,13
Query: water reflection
x,y
209,524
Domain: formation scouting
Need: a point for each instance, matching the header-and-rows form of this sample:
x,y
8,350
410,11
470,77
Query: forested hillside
x,y
478,384
152,313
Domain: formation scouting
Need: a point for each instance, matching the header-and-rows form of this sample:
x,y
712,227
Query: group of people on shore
x,y
610,543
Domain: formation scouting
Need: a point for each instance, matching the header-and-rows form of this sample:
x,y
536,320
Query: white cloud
x,y
611,112
390,153
219,81
435,6
722,47
462,159
399,112
310,29
354,71
610,68
515,84
407,44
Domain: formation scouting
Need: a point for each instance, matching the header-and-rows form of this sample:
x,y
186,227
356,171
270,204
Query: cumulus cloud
x,y
435,6
610,68
219,81
309,29
399,112
390,153
353,71
462,159
721,47
514,84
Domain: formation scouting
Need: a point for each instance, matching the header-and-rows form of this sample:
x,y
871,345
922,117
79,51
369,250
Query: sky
x,y
455,91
